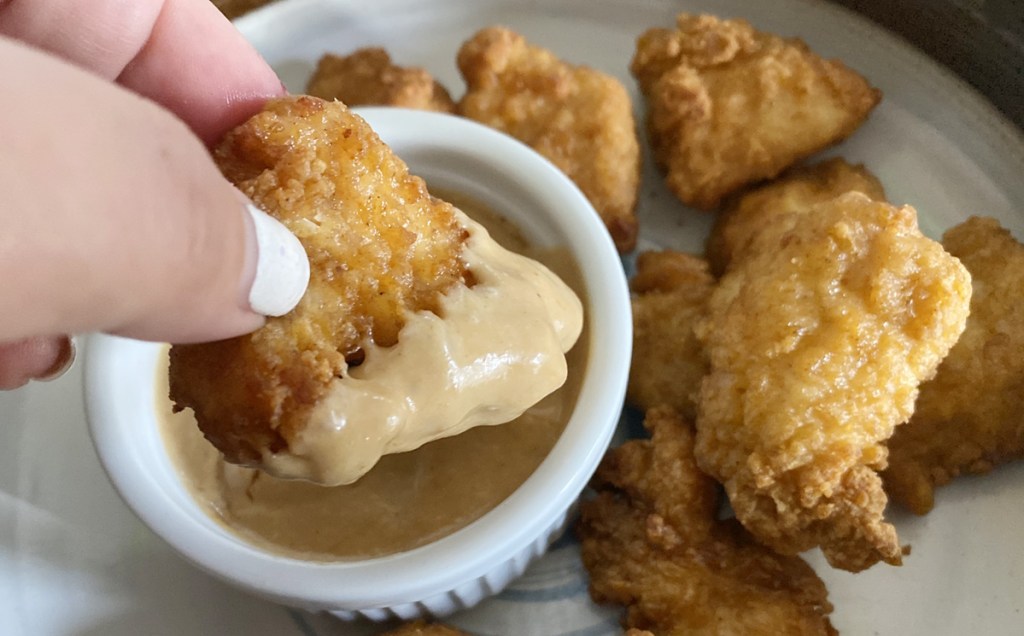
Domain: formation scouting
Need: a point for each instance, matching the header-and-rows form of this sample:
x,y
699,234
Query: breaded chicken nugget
x,y
422,628
235,8
383,253
969,418
670,294
817,342
651,542
367,77
579,118
729,105
794,192
375,251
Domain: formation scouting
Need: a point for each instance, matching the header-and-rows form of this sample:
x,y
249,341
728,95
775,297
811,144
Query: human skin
x,y
115,219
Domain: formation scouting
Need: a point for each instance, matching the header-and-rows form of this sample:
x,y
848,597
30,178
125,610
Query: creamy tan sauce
x,y
492,351
407,499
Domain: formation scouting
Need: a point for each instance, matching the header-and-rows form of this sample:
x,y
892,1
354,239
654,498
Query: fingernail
x,y
282,267
65,358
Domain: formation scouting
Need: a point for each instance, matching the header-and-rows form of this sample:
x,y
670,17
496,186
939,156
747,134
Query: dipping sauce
x,y
407,499
491,351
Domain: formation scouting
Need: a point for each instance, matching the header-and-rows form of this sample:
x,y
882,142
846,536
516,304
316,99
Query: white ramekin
x,y
479,560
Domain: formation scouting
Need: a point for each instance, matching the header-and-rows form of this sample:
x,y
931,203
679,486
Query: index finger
x,y
182,54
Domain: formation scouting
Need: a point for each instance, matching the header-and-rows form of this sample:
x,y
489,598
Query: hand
x,y
114,217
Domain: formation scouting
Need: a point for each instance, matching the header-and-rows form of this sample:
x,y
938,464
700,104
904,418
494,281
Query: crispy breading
x,y
378,243
367,77
670,294
651,542
729,105
817,342
968,419
794,192
423,628
579,118
235,8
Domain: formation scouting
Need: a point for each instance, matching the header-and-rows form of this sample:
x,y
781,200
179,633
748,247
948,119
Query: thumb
x,y
116,219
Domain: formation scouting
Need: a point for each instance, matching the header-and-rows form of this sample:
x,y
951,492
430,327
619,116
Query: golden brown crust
x,y
423,628
577,117
379,246
651,542
671,290
817,342
729,105
367,77
794,192
235,8
968,418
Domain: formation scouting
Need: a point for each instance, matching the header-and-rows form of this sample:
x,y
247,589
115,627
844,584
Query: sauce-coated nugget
x,y
970,418
367,77
651,542
817,343
729,105
794,192
670,295
379,246
579,118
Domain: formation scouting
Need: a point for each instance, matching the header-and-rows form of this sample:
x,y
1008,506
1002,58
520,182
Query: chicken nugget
x,y
968,418
729,105
401,285
818,341
423,628
794,192
579,118
236,8
670,294
367,77
651,542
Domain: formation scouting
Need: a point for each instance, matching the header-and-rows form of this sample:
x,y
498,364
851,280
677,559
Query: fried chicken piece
x,y
651,542
390,265
367,77
235,8
729,105
794,192
817,342
379,246
577,117
670,294
968,418
423,628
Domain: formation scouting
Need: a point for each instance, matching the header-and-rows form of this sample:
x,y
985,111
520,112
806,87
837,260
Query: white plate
x,y
74,561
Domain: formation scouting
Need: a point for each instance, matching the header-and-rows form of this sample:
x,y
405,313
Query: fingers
x,y
116,219
199,66
100,35
182,54
45,358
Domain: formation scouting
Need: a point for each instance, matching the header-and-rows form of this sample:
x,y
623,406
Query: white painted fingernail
x,y
282,267
65,358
